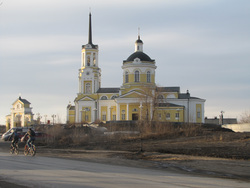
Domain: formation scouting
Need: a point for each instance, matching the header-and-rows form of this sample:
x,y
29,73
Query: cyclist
x,y
14,136
31,137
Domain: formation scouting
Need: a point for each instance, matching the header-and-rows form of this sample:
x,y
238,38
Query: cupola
x,y
138,45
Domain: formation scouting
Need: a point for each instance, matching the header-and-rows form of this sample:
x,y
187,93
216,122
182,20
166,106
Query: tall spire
x,y
90,29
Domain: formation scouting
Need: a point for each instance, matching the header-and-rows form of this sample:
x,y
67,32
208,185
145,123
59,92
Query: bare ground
x,y
221,154
199,165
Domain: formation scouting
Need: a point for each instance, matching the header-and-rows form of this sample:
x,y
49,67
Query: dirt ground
x,y
221,154
199,165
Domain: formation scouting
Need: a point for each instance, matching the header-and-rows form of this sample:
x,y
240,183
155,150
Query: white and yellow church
x,y
21,114
139,98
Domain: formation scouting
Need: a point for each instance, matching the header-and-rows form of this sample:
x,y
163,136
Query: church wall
x,y
71,116
198,113
105,108
123,111
80,113
103,113
26,105
89,88
108,95
133,109
86,114
113,114
190,113
142,77
169,114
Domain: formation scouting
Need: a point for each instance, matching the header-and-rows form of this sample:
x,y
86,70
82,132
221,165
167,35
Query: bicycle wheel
x,y
26,150
11,150
16,150
33,150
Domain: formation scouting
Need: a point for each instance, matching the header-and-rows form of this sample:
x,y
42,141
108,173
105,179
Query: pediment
x,y
132,94
86,98
18,104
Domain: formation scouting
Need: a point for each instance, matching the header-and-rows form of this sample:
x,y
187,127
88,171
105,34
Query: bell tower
x,y
89,73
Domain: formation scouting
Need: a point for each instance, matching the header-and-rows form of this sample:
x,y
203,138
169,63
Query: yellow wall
x,y
71,116
87,113
172,112
104,112
131,108
112,112
198,110
123,107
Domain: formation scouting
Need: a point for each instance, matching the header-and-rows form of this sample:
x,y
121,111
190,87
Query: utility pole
x,y
45,119
221,117
53,116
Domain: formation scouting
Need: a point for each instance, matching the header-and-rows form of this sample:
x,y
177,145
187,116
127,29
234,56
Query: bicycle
x,y
30,150
14,149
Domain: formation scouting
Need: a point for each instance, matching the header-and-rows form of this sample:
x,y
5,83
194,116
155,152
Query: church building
x,y
21,114
139,98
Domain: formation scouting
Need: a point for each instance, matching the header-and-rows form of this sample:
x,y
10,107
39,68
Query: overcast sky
x,y
199,45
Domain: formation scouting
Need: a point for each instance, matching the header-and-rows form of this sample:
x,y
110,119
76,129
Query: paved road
x,y
54,172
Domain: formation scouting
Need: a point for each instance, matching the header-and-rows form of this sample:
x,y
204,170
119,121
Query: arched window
x,y
87,88
88,61
137,76
148,77
123,114
94,59
126,77
104,98
113,97
160,97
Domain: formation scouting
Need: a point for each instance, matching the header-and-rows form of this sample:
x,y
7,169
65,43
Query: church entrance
x,y
134,117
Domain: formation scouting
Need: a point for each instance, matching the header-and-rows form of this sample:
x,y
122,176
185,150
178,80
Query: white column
x,y
12,120
77,113
117,111
109,113
127,111
23,119
79,83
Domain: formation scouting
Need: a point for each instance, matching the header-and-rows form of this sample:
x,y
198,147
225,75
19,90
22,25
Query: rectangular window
x,y
198,115
159,116
123,116
87,88
168,116
177,115
86,118
103,117
114,117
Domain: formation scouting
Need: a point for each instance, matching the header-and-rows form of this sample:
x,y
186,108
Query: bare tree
x,y
149,100
245,117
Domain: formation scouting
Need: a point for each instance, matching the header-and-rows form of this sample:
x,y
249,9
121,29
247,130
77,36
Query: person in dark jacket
x,y
31,137
14,137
